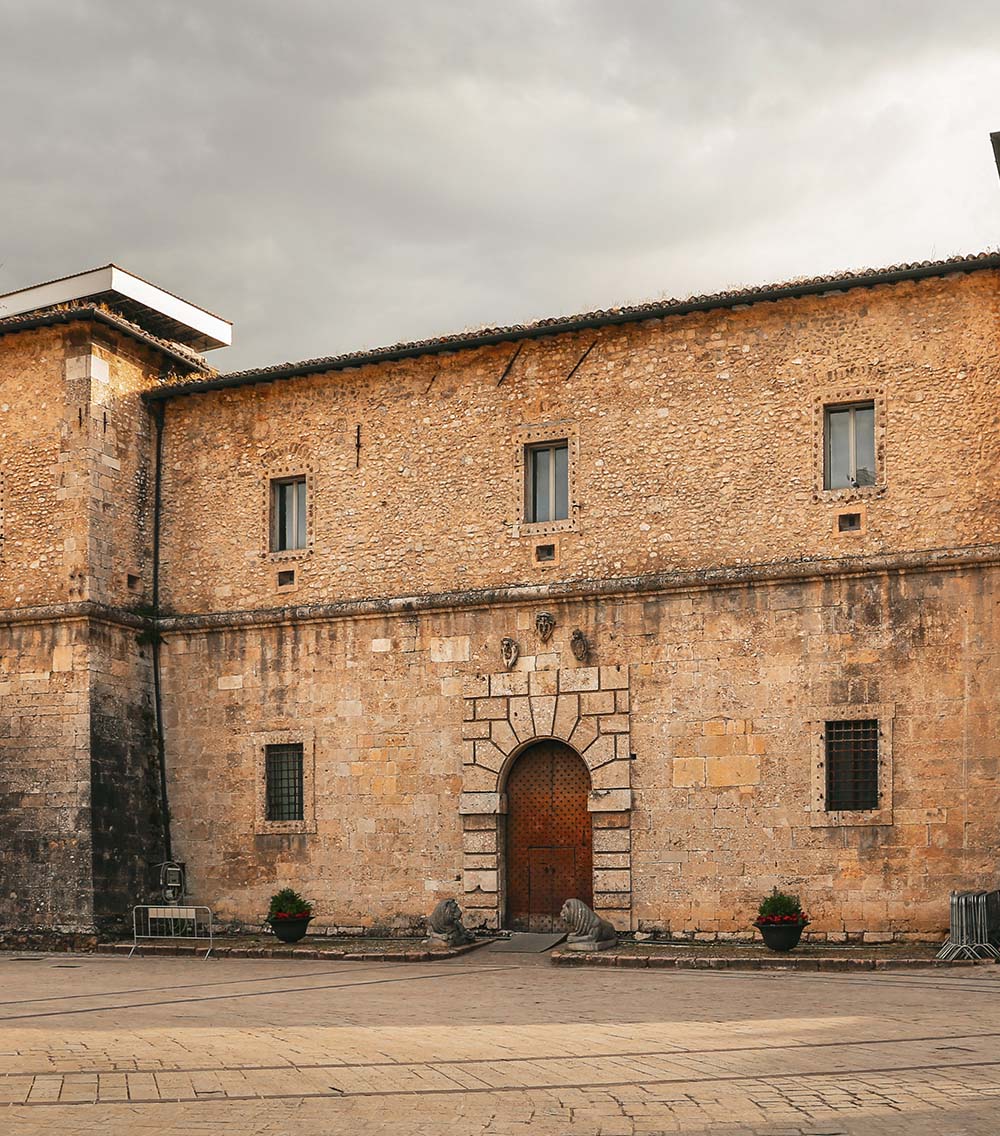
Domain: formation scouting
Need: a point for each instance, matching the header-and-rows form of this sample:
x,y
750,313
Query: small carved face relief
x,y
579,646
545,624
509,652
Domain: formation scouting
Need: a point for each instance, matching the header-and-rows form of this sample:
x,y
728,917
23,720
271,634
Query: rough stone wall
x,y
727,689
44,476
696,443
45,850
696,449
122,474
125,792
383,777
126,817
76,754
75,475
733,701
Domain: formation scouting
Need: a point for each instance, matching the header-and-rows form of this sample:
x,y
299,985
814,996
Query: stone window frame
x,y
526,437
849,395
882,712
859,507
533,552
291,736
282,471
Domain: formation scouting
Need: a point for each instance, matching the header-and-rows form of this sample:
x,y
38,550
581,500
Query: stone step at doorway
x,y
526,943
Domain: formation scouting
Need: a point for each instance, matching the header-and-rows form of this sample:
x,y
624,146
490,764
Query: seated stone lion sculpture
x,y
445,927
588,931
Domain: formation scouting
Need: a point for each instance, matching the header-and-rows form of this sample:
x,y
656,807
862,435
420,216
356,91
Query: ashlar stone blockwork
x,y
586,707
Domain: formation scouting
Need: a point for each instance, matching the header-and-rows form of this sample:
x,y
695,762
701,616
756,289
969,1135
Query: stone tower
x,y
81,805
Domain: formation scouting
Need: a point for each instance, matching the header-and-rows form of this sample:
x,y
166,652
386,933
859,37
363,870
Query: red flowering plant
x,y
780,908
288,904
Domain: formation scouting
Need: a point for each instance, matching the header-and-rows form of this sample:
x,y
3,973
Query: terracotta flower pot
x,y
290,930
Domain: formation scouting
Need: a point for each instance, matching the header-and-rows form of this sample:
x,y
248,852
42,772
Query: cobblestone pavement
x,y
491,1045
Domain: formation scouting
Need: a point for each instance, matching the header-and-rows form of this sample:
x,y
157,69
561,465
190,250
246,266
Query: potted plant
x,y
289,915
780,920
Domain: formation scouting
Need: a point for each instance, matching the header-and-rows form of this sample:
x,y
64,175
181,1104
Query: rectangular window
x,y
546,482
545,553
851,765
288,514
283,782
849,442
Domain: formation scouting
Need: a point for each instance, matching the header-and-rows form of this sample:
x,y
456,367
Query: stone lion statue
x,y
445,927
587,931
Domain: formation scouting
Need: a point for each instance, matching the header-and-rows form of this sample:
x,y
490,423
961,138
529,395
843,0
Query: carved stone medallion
x,y
579,646
545,624
509,651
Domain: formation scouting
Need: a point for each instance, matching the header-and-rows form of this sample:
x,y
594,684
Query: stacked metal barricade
x,y
975,926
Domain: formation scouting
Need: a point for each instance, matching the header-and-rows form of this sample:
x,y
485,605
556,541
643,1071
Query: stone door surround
x,y
586,707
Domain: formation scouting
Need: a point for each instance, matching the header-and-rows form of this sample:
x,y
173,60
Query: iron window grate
x,y
852,765
283,772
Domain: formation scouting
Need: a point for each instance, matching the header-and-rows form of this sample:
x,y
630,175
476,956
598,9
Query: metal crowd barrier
x,y
975,926
169,922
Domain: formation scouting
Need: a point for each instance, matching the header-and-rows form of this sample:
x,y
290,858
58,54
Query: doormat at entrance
x,y
526,943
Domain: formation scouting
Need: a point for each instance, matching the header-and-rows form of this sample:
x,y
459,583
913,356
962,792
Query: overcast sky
x,y
333,176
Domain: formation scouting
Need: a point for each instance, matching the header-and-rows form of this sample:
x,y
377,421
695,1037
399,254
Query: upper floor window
x,y
851,765
849,444
288,514
546,482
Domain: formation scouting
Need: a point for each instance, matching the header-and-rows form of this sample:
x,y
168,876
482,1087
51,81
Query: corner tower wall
x,y
77,752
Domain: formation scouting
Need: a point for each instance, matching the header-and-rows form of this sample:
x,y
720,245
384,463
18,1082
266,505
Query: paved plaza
x,y
492,1044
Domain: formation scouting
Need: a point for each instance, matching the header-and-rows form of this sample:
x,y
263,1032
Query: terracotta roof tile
x,y
654,309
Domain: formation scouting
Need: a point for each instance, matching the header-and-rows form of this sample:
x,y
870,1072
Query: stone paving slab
x,y
396,950
493,1047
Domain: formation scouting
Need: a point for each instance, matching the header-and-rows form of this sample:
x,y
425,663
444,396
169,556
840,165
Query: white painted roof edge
x,y
111,278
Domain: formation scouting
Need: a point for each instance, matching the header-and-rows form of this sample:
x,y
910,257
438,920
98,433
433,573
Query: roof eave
x,y
97,315
591,321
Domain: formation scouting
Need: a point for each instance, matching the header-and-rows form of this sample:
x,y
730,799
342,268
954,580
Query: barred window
x,y
851,765
283,775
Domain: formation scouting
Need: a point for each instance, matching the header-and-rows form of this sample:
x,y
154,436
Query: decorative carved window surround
x,y
855,387
526,436
276,471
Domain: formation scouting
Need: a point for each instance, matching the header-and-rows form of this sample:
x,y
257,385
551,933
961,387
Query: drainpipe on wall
x,y
159,414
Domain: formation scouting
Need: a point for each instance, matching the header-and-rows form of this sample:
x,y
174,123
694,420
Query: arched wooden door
x,y
549,853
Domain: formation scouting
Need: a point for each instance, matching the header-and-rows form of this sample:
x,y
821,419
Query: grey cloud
x,y
336,175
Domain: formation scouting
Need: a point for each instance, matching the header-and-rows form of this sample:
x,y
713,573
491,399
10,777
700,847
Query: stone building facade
x,y
284,625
